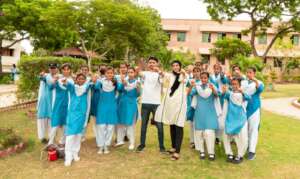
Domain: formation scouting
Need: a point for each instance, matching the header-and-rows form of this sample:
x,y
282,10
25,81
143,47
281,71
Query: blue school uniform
x,y
190,110
254,103
218,80
107,105
205,116
128,108
77,109
236,114
44,104
60,106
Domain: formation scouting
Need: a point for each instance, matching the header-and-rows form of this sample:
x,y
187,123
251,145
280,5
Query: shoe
x,y
211,157
163,151
76,158
106,150
251,156
44,141
100,151
237,160
192,145
68,163
230,158
119,144
202,155
140,148
131,147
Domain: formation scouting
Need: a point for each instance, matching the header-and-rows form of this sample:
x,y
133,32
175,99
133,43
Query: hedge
x,y
30,68
5,78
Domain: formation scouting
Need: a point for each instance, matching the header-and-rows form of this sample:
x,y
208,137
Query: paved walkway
x,y
7,95
281,106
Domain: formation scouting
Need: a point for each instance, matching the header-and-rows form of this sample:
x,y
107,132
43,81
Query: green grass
x,y
277,156
283,90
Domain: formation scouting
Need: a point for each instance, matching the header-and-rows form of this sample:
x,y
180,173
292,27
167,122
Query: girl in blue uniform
x,y
191,110
44,104
60,105
76,117
253,88
235,121
206,116
107,116
128,108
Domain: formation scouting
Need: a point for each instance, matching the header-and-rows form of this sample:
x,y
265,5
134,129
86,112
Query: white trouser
x,y
43,127
253,125
192,132
209,137
72,146
104,134
85,128
52,135
122,131
240,139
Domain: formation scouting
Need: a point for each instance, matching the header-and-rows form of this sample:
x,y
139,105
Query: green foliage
x,y
8,138
292,64
228,48
5,78
166,56
31,66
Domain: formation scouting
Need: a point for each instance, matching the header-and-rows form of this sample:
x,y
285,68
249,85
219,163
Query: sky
x,y
176,9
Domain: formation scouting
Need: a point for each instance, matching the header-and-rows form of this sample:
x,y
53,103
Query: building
x,y
11,55
198,36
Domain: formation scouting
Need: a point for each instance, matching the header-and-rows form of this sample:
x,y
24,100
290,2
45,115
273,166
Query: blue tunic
x,y
94,101
205,116
190,110
44,105
128,108
254,103
77,110
218,80
236,115
60,107
107,105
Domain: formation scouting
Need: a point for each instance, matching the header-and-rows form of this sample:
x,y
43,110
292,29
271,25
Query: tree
x,y
20,20
114,29
228,48
262,14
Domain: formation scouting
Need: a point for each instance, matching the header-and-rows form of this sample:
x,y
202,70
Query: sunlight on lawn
x,y
277,156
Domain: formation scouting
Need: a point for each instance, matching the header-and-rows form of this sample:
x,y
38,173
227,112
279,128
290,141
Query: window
x,y
7,52
168,35
237,35
295,39
206,37
205,59
181,36
262,39
221,36
277,62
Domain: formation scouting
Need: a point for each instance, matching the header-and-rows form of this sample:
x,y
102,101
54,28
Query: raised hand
x,y
224,89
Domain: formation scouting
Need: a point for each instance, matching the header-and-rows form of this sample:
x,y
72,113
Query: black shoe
x,y
202,155
230,158
217,142
192,145
126,139
237,160
251,156
211,157
140,148
44,141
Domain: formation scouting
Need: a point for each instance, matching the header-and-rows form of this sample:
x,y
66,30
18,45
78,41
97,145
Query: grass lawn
x,y
283,90
278,156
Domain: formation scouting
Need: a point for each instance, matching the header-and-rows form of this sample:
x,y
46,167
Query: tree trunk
x,y
1,56
126,57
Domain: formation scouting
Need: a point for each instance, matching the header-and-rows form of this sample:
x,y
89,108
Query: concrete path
x,y
7,95
282,106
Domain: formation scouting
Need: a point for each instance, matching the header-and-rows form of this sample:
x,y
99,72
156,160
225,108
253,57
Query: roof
x,y
75,52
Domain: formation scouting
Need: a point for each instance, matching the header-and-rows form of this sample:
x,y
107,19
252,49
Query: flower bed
x,y
9,142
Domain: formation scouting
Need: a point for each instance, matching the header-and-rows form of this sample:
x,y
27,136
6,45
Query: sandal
x,y
171,151
175,156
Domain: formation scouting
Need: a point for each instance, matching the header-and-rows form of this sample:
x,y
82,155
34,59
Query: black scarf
x,y
175,84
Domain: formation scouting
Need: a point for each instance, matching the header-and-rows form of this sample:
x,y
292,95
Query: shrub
x,y
31,66
8,138
5,78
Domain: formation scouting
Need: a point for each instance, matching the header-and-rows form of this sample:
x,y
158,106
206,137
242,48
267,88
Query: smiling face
x,y
152,64
250,74
123,69
53,70
204,78
131,74
66,71
109,74
84,70
217,69
80,80
196,73
176,67
236,71
235,84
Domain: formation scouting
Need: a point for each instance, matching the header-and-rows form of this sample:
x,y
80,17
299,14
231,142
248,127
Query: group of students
x,y
218,106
